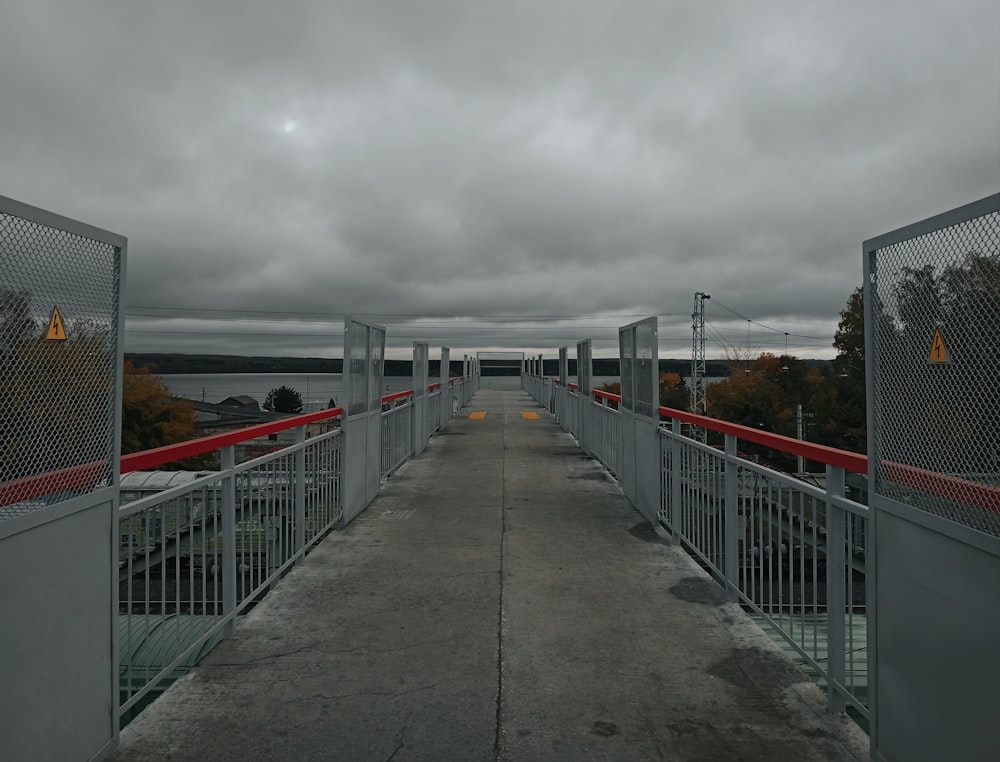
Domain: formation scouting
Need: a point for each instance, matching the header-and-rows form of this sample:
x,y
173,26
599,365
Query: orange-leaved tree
x,y
150,416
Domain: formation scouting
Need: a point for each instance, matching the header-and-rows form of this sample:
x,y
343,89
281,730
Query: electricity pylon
x,y
699,404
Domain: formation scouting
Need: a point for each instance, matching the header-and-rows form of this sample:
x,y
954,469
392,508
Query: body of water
x,y
316,388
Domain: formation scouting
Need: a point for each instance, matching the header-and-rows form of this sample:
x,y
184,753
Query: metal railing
x,y
397,436
195,556
790,552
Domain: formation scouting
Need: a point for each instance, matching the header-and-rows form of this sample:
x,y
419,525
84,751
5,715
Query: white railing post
x,y
227,461
674,509
300,498
730,520
836,542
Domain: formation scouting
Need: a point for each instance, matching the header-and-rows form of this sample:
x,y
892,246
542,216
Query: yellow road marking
x,y
478,415
530,416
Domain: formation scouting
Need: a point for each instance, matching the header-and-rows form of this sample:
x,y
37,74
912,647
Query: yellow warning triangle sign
x,y
939,350
56,332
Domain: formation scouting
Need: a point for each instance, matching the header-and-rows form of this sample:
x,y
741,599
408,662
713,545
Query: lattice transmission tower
x,y
699,404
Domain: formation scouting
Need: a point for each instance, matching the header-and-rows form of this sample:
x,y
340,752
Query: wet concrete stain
x,y
757,674
594,476
602,728
644,531
699,590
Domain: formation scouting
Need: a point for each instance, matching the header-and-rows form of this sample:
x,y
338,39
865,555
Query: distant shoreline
x,y
169,364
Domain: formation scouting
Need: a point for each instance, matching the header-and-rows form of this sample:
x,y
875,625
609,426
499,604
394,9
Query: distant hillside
x,y
181,363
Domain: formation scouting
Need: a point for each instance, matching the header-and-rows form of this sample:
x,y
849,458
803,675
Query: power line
x,y
139,310
770,328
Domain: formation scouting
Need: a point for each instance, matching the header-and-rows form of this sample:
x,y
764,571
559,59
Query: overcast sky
x,y
467,172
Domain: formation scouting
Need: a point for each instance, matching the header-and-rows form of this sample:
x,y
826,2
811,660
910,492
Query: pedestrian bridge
x,y
461,571
500,598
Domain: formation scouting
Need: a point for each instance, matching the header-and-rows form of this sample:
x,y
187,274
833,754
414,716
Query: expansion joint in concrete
x,y
503,530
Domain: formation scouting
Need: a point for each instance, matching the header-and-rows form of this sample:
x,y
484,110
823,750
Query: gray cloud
x,y
292,162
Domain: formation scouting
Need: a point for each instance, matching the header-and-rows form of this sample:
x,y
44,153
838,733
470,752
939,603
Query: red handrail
x,y
831,456
941,485
140,461
397,396
50,482
37,485
849,461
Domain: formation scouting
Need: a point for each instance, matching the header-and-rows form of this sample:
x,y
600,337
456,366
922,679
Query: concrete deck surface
x,y
500,599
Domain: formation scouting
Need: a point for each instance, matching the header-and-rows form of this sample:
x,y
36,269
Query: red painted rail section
x,y
86,474
940,485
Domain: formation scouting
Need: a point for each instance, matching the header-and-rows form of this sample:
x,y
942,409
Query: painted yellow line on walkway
x,y
478,415
530,416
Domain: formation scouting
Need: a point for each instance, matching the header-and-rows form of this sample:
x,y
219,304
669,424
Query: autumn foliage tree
x,y
150,416
766,394
673,391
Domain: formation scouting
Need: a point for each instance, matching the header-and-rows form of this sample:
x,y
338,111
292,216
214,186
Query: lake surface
x,y
316,388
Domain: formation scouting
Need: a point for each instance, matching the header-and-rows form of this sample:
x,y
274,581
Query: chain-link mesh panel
x,y
935,329
58,356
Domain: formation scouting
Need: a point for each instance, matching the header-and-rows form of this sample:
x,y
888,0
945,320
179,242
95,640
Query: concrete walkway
x,y
500,599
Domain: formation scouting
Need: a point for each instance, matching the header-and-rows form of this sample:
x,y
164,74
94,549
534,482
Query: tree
x,y
849,340
673,392
848,395
150,416
284,399
767,393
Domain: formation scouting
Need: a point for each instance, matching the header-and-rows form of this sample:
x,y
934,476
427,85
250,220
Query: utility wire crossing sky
x,y
516,175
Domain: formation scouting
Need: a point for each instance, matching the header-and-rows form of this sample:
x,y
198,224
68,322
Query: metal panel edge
x,y
871,552
51,219
959,214
56,512
939,524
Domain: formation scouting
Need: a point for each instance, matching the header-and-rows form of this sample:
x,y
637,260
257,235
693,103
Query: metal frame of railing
x,y
789,552
194,557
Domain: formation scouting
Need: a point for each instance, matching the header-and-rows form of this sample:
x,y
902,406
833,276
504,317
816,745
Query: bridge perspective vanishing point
x,y
546,571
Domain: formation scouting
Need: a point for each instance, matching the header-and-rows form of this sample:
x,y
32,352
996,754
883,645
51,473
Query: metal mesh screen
x,y
626,351
935,339
583,367
356,367
420,354
59,294
445,366
645,374
377,337
637,344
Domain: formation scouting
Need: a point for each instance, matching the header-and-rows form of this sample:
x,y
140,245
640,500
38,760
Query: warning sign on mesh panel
x,y
939,350
56,330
